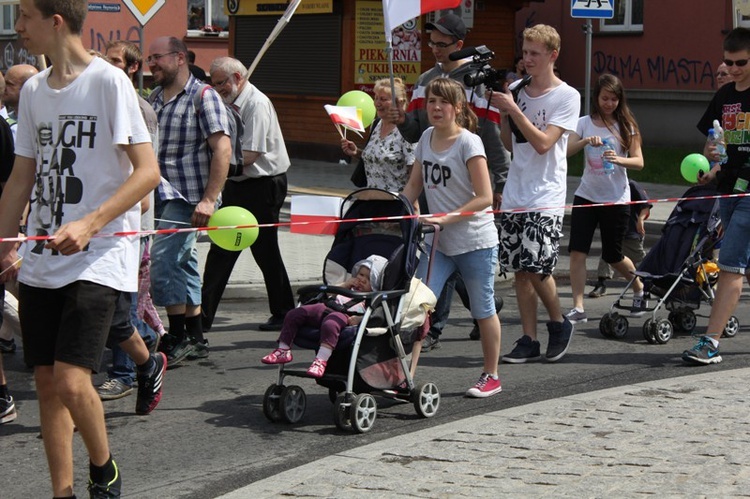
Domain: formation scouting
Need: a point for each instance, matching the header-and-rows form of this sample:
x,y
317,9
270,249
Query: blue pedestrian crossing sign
x,y
600,9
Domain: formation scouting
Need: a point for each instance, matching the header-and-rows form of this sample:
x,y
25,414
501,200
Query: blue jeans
x,y
478,271
123,367
175,279
735,246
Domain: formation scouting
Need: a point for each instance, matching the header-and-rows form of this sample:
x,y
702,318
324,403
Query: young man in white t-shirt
x,y
84,158
535,129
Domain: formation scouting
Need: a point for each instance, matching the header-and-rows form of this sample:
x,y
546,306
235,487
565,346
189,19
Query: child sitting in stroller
x,y
330,316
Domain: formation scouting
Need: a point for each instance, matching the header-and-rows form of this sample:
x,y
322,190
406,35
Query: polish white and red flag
x,y
397,12
315,214
345,116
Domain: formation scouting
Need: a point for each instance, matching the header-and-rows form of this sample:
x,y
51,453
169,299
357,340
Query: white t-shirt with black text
x,y
536,180
74,135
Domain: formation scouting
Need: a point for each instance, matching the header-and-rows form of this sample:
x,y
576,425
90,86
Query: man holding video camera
x,y
447,41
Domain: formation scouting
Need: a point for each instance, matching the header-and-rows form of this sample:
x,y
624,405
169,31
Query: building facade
x,y
328,48
666,53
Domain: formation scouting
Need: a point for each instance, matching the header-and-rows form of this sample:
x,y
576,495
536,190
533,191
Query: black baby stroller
x,y
371,358
678,272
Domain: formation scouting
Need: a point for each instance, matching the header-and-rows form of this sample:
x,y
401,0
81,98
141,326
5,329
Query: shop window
x,y
628,17
207,18
8,15
305,60
741,13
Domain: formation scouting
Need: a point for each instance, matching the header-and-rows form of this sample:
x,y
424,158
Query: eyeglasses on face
x,y
156,57
440,45
740,62
221,83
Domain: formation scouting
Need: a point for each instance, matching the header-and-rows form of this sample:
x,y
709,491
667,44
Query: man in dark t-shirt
x,y
729,106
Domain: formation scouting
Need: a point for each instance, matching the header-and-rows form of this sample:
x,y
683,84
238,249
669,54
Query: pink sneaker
x,y
485,387
278,356
317,368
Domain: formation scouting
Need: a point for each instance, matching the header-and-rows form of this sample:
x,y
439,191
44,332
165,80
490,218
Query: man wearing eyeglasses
x,y
447,35
722,75
730,106
194,155
260,188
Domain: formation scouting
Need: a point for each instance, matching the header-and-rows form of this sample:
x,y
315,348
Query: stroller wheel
x,y
341,413
271,403
732,327
293,404
649,331
663,331
683,320
426,397
363,412
619,326
605,325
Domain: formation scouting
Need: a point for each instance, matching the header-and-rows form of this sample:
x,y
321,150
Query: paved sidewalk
x,y
651,438
673,438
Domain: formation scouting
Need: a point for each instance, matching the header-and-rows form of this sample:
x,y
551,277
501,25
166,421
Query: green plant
x,y
661,165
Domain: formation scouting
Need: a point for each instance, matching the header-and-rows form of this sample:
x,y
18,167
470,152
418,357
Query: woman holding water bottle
x,y
611,142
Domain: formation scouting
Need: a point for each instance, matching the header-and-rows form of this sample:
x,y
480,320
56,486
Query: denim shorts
x,y
478,271
735,245
175,279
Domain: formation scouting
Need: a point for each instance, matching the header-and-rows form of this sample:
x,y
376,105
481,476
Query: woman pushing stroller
x,y
330,316
451,168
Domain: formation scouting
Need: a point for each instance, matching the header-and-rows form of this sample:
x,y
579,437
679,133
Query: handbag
x,y
359,177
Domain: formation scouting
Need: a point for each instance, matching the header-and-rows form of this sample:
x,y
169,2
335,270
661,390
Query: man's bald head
x,y
15,77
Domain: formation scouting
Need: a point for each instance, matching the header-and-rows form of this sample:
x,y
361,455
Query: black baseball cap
x,y
449,24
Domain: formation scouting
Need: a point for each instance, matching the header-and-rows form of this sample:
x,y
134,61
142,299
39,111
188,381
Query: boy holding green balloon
x,y
730,105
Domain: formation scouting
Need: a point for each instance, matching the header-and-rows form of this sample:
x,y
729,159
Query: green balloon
x,y
362,101
233,239
692,164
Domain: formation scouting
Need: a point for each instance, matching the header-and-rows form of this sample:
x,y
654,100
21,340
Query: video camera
x,y
484,73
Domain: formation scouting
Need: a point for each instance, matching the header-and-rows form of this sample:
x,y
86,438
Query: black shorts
x,y
612,222
122,328
68,324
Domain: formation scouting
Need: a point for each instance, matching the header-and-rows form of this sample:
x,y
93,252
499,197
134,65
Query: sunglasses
x,y
740,63
721,74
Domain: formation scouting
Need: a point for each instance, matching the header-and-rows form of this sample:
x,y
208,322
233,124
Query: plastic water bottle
x,y
718,141
609,168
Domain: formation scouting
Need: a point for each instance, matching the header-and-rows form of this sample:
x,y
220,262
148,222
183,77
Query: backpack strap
x,y
198,97
154,93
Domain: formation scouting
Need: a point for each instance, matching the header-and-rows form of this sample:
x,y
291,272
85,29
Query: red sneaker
x,y
317,368
485,387
278,356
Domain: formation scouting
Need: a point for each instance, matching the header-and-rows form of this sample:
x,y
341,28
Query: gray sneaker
x,y
576,317
113,389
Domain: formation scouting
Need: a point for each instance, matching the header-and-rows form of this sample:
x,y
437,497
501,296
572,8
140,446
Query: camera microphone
x,y
463,54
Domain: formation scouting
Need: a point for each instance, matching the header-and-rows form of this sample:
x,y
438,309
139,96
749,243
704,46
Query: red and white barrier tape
x,y
142,233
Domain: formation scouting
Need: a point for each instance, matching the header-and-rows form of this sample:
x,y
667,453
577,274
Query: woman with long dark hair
x,y
611,141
